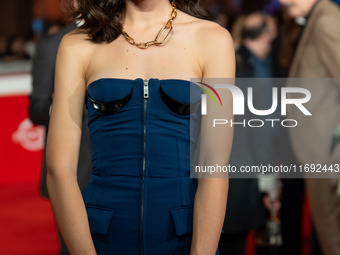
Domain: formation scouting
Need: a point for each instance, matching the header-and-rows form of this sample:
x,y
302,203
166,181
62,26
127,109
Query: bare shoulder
x,y
207,36
75,47
77,44
203,29
76,40
213,46
211,36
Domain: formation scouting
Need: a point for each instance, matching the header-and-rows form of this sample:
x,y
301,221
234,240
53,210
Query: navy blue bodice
x,y
140,196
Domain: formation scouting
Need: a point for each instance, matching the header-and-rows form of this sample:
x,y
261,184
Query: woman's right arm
x,y
63,143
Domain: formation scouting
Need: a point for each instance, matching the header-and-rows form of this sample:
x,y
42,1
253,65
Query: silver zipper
x,y
146,96
146,89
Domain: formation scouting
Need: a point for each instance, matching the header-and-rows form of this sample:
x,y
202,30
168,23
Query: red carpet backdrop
x,y
27,226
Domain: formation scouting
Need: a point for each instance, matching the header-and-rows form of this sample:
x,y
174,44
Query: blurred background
x,y
27,225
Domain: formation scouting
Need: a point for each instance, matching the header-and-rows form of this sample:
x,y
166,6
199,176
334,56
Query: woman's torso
x,y
140,196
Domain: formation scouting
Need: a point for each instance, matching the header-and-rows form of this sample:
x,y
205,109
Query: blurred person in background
x,y
290,33
254,54
41,28
53,27
318,55
3,46
246,209
41,100
15,49
292,196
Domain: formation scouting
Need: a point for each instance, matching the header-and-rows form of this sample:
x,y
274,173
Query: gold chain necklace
x,y
167,26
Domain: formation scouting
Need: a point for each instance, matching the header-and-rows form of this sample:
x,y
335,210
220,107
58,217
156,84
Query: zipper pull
x,y
146,88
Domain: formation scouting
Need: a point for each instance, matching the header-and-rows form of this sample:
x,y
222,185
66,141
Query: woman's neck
x,y
146,12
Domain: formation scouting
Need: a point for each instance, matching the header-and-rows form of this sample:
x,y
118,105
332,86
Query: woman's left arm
x,y
217,61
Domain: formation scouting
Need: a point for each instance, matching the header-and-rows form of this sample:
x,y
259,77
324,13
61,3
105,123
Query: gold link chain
x,y
167,26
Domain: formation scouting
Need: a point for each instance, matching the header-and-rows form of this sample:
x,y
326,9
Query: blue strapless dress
x,y
140,196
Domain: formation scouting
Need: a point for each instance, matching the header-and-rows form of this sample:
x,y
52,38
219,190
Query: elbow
x,y
52,164
57,176
50,180
51,171
58,171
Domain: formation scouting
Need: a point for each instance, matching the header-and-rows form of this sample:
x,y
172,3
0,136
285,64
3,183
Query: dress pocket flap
x,y
183,219
99,219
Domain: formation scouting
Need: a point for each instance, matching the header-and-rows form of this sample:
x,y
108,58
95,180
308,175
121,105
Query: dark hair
x,y
102,18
